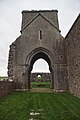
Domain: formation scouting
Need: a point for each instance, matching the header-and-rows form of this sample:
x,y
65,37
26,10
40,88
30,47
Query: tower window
x,y
40,34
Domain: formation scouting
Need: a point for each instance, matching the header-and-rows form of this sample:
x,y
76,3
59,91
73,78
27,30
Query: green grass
x,y
42,84
3,77
50,106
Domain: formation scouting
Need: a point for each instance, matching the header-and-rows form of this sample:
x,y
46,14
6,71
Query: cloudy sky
x,y
10,21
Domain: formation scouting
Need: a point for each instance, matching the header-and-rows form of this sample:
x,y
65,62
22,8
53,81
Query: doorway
x,y
40,74
34,58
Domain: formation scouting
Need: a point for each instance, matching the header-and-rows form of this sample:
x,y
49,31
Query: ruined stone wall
x,y
11,60
46,77
72,43
6,87
29,44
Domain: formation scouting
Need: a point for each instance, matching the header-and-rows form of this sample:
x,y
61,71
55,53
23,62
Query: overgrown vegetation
x,y
41,106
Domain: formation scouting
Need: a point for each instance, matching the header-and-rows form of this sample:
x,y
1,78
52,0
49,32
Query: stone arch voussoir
x,y
38,50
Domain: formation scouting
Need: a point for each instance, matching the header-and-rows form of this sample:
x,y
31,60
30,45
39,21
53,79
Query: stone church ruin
x,y
41,38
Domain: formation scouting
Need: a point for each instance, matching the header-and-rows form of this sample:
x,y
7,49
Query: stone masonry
x,y
72,43
40,38
46,77
6,87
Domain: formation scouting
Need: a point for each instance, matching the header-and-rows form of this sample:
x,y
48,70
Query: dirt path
x,y
41,90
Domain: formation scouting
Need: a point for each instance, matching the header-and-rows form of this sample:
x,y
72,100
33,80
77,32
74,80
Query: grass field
x,y
40,106
40,84
3,77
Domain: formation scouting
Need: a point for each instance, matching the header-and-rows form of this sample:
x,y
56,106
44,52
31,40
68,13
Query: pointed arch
x,y
35,55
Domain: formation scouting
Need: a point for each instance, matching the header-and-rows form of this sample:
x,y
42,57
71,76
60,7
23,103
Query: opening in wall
x,y
40,35
40,74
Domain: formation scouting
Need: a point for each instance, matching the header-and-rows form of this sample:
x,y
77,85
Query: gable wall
x,y
73,57
51,41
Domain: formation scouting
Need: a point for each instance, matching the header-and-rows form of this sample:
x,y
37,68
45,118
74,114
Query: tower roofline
x,y
44,18
33,11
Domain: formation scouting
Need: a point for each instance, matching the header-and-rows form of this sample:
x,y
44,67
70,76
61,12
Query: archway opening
x,y
40,65
39,76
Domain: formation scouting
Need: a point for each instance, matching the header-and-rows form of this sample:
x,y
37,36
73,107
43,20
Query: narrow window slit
x,y
40,34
